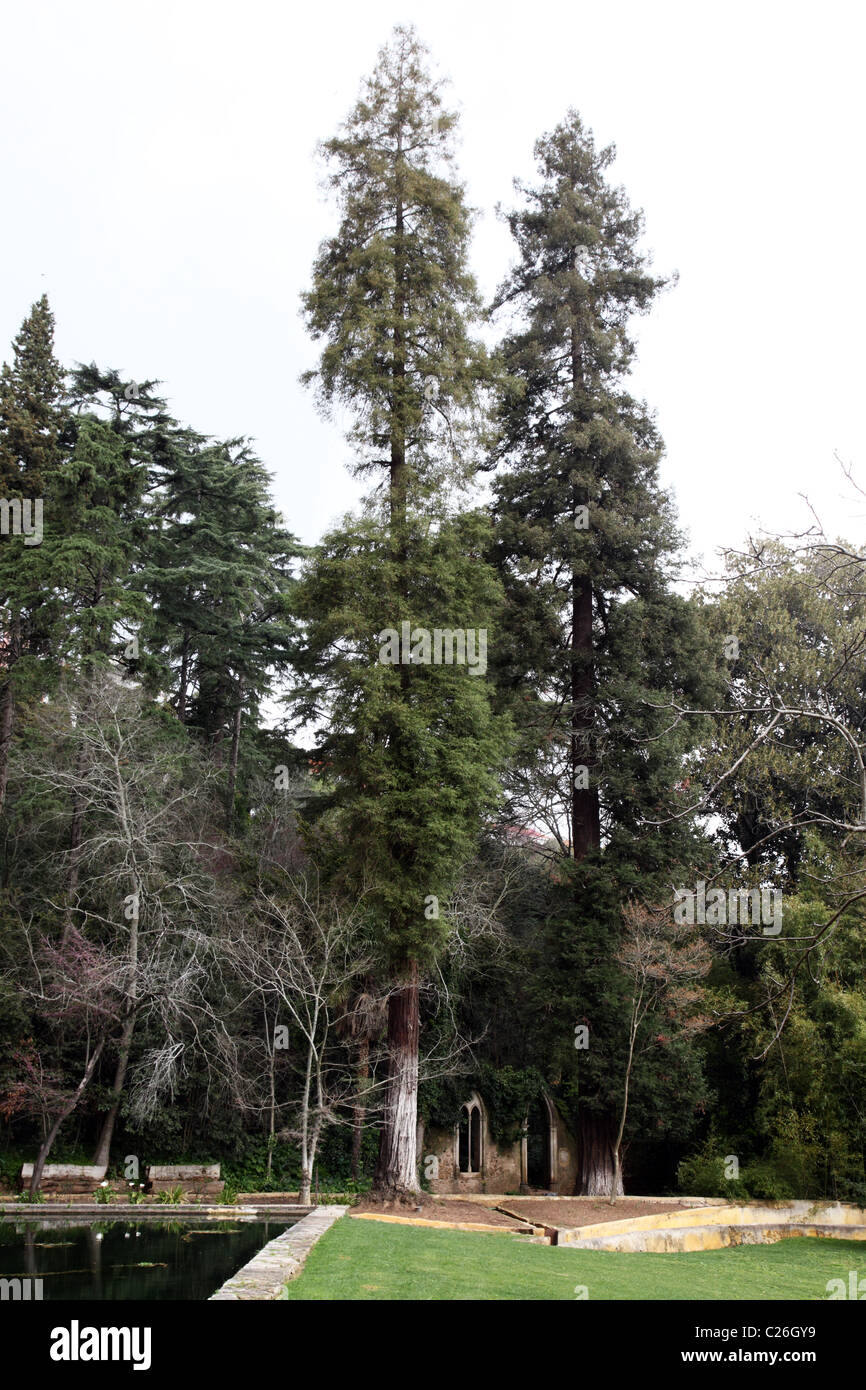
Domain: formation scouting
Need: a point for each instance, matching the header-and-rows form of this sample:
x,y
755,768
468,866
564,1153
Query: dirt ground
x,y
563,1213
586,1211
442,1211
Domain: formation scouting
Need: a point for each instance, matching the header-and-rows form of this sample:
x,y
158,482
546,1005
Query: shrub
x,y
703,1175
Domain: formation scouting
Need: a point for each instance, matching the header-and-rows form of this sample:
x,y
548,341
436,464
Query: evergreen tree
x,y
31,448
411,746
217,572
89,554
86,562
587,540
31,415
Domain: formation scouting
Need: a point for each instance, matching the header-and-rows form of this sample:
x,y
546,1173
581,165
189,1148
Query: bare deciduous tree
x,y
661,961
135,944
304,954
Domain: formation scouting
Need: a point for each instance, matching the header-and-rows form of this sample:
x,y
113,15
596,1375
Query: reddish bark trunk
x,y
597,1136
585,823
397,1170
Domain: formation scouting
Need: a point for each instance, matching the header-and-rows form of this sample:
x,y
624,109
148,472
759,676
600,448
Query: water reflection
x,y
120,1260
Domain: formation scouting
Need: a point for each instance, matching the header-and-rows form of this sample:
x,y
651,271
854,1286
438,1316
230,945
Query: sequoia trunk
x,y
585,821
585,826
397,1167
598,1175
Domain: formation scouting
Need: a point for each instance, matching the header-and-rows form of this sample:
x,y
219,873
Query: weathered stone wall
x,y
565,1164
201,1178
65,1177
500,1171
503,1167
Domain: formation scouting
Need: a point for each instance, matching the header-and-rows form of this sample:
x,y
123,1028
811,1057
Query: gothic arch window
x,y
470,1143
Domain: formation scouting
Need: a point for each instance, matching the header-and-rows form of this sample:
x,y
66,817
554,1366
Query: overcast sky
x,y
160,184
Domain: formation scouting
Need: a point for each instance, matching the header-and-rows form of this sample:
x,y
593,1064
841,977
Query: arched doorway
x,y
538,1145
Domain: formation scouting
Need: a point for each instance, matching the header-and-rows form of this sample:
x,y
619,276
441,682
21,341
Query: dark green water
x,y
128,1259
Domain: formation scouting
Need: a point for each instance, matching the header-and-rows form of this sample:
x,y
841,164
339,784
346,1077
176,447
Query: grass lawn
x,y
376,1260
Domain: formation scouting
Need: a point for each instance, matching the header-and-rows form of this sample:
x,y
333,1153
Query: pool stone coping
x,y
133,1212
265,1276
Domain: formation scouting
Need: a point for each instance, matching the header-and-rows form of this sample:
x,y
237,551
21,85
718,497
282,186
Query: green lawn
x,y
377,1260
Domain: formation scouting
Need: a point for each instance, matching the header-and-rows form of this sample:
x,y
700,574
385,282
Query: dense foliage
x,y
219,943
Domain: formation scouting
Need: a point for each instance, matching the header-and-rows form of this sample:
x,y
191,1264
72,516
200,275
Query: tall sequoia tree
x,y
587,540
412,748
